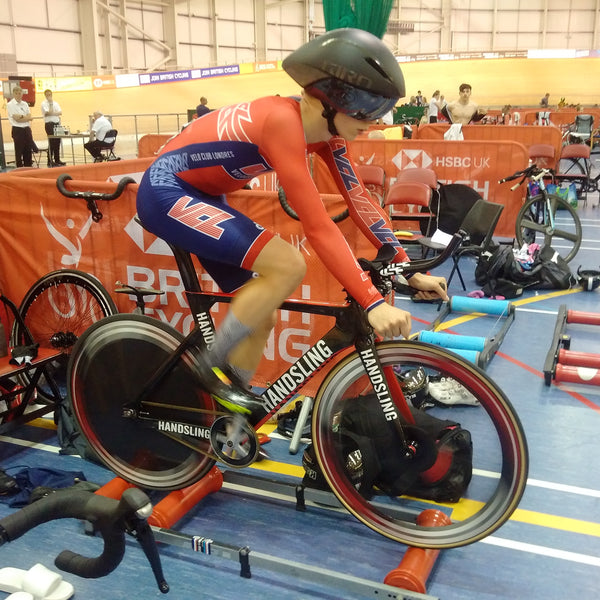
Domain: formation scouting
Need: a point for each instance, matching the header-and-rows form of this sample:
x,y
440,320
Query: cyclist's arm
x,y
285,148
369,217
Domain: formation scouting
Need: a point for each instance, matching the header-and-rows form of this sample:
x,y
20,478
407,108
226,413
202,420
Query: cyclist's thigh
x,y
225,240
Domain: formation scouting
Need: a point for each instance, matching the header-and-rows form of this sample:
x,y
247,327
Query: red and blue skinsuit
x,y
182,195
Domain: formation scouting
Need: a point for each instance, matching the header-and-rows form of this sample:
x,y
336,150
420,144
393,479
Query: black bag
x,y
499,273
441,471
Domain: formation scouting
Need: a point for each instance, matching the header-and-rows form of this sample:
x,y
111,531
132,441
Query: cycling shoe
x,y
227,391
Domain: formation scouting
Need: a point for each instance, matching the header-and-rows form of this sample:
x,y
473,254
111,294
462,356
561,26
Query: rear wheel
x,y
56,310
561,229
500,458
108,370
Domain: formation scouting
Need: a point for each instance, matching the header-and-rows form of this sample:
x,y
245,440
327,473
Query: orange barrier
x,y
526,135
479,164
41,230
561,117
150,144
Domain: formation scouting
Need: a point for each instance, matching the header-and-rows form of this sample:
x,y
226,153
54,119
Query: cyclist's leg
x,y
259,267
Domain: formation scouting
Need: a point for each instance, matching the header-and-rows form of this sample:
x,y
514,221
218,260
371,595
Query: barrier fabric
x,y
526,135
478,164
41,230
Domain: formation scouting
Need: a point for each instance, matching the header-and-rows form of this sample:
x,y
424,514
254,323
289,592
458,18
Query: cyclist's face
x,y
349,128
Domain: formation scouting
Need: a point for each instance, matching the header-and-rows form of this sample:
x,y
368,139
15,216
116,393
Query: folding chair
x,y
581,130
108,151
479,225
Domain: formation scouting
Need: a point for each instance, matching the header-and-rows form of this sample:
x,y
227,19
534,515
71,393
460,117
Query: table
x,y
70,136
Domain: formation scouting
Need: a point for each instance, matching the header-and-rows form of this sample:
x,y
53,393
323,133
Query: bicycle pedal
x,y
234,441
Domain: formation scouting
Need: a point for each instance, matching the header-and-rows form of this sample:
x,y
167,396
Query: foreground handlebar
x,y
110,518
90,196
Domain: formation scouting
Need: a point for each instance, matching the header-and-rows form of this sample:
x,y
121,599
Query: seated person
x,y
98,140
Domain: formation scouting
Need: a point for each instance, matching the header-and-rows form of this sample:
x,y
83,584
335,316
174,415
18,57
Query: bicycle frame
x,y
350,331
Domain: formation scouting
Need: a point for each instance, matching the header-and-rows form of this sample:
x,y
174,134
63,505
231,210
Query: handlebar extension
x,y
90,196
110,518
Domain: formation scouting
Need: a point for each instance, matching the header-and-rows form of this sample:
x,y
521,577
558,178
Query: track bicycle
x,y
137,389
538,219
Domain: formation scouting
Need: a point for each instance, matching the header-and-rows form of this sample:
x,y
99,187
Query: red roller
x,y
114,488
586,318
578,359
572,374
414,568
175,506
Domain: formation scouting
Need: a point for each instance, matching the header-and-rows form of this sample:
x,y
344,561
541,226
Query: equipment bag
x,y
499,273
441,470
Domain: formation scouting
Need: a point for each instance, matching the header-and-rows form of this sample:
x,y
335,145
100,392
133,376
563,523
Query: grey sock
x,y
228,336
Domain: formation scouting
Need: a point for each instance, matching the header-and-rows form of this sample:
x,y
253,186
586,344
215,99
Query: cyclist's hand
x,y
430,287
389,321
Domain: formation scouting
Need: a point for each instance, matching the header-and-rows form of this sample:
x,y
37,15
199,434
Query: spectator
x,y
98,140
435,106
20,118
544,100
51,112
419,99
464,110
202,108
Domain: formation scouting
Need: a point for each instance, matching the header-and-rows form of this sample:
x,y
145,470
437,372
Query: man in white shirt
x,y
51,112
98,138
20,118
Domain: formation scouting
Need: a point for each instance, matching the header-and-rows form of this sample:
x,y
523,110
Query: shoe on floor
x,y
39,582
60,163
448,392
98,159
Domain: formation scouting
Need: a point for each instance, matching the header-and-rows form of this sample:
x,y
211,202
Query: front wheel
x,y
109,368
500,457
554,223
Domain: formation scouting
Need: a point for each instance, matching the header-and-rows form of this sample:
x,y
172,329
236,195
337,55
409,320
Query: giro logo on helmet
x,y
352,77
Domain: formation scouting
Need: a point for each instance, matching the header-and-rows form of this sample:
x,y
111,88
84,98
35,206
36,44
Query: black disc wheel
x,y
109,367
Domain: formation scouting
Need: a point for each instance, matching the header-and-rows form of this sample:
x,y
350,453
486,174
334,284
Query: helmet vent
x,y
375,65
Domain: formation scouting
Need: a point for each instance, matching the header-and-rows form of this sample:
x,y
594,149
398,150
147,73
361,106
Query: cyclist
x,y
350,80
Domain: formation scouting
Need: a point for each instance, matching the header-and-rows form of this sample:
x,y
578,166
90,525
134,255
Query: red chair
x,y
373,177
408,202
574,165
422,174
543,155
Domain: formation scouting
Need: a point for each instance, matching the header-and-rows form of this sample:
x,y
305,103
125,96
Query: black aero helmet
x,y
351,71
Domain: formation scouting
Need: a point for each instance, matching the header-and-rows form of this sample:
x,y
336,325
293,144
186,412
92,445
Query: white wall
x,y
46,38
